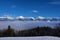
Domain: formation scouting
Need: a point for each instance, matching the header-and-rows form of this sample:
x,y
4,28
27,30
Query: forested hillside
x,y
38,31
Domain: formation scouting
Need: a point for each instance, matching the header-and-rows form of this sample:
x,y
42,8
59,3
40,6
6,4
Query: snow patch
x,y
30,38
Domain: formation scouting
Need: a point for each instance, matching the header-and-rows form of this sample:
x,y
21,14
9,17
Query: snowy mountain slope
x,y
6,18
40,18
30,38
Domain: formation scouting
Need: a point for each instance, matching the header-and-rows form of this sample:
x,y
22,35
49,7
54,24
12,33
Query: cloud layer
x,y
22,25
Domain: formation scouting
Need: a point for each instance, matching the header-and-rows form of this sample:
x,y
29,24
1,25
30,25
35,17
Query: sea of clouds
x,y
22,25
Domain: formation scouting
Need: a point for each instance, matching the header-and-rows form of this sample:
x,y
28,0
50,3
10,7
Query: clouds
x,y
22,25
54,3
13,6
35,11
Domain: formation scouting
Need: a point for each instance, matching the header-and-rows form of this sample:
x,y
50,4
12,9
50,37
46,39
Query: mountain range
x,y
22,18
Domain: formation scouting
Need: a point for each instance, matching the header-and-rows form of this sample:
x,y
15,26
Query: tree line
x,y
38,31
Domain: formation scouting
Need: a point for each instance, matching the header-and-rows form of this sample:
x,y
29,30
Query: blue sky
x,y
35,8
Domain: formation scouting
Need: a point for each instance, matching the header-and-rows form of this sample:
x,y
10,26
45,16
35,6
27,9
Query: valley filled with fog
x,y
22,25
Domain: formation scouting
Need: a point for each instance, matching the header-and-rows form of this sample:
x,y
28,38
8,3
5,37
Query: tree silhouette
x,y
9,32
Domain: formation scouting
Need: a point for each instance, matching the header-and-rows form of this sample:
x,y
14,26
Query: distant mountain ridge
x,y
22,18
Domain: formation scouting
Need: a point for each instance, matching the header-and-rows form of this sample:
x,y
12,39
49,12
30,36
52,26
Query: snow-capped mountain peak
x,y
29,18
20,17
40,17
